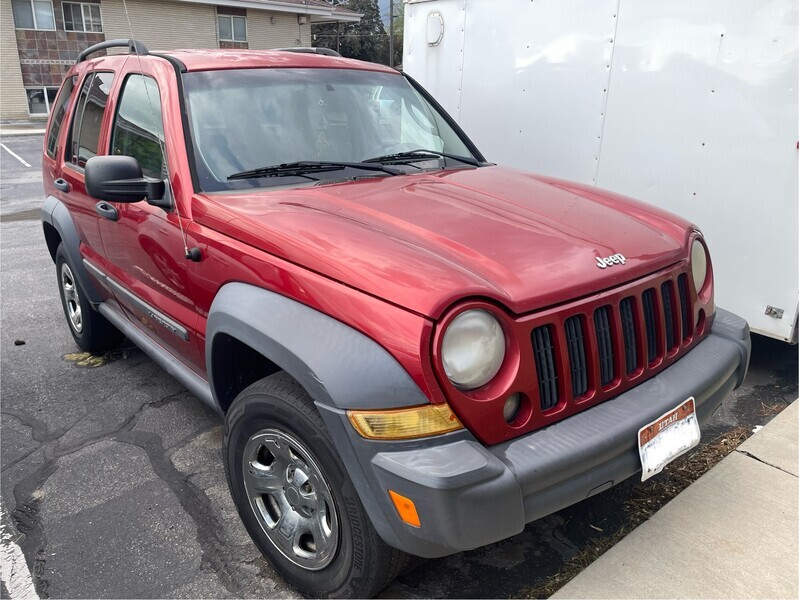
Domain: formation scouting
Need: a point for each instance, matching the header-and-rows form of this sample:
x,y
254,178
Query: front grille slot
x,y
628,330
648,298
575,342
685,306
544,352
604,344
665,292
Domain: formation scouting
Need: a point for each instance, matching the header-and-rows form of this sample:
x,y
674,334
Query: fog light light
x,y
511,408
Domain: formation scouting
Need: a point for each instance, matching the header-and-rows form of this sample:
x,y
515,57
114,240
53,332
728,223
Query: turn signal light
x,y
405,508
404,423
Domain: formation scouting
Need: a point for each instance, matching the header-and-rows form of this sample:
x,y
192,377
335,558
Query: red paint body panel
x,y
426,241
403,334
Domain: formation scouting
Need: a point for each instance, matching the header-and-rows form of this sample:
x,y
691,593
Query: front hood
x,y
425,241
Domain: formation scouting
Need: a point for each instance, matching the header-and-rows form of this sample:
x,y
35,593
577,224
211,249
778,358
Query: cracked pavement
x,y
112,472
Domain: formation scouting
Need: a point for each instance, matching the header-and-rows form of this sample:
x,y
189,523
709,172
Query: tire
x,y
91,330
274,433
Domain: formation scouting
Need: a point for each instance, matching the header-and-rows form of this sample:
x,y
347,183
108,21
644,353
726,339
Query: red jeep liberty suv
x,y
415,351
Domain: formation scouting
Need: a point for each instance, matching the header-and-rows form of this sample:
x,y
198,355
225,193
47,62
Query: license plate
x,y
667,437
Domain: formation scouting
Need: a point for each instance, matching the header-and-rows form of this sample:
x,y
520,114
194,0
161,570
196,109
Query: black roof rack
x,y
322,51
133,46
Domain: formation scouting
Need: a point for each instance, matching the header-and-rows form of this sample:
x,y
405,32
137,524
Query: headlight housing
x,y
699,265
473,349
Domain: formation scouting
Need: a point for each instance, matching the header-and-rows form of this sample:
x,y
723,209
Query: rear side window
x,y
85,134
59,110
139,127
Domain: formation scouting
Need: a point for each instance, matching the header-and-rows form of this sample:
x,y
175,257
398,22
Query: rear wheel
x,y
91,330
295,497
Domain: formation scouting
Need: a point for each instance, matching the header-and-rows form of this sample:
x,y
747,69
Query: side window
x,y
139,128
85,134
59,110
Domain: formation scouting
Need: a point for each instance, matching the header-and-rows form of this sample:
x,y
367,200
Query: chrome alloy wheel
x,y
71,298
290,498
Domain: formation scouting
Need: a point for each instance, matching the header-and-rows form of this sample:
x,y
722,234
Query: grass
x,y
771,409
647,498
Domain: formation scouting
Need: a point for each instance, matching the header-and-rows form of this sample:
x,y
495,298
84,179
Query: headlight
x,y
473,349
699,265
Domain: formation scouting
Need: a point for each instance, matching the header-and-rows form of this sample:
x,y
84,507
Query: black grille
x,y
604,344
622,342
544,352
648,298
575,343
628,330
682,288
665,291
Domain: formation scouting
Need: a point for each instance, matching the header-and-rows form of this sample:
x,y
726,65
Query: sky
x,y
384,8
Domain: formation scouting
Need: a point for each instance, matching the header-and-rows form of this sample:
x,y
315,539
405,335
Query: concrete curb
x,y
731,534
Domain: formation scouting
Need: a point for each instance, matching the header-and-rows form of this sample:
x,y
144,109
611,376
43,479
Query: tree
x,y
365,40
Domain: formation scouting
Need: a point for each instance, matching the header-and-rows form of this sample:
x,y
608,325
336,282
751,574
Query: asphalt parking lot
x,y
112,480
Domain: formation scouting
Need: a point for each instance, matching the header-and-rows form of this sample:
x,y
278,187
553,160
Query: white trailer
x,y
688,104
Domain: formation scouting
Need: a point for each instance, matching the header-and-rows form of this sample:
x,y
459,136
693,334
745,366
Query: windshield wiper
x,y
420,154
303,167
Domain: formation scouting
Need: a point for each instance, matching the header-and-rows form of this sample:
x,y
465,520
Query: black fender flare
x,y
336,364
56,214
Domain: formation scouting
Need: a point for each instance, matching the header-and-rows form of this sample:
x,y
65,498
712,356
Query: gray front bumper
x,y
468,495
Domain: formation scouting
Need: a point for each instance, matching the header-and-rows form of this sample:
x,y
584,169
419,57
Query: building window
x,y
82,16
232,29
40,99
33,14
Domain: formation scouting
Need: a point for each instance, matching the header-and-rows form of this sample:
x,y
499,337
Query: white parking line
x,y
15,155
13,568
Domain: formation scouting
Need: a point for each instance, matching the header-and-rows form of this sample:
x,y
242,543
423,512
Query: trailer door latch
x,y
774,312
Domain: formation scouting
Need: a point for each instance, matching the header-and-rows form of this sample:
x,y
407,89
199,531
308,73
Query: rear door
x,y
53,144
82,142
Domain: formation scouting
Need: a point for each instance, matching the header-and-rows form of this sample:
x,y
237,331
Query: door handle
x,y
105,210
61,184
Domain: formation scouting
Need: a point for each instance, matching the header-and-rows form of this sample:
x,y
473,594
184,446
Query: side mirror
x,y
119,179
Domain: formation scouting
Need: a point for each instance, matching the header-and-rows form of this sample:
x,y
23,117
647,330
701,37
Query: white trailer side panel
x,y
703,119
645,98
444,65
529,90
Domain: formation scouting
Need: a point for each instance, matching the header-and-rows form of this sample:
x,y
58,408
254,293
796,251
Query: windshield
x,y
247,119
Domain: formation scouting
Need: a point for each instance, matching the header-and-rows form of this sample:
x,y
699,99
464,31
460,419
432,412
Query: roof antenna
x,y
192,254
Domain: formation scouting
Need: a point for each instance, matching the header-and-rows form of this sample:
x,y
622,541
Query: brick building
x,y
40,39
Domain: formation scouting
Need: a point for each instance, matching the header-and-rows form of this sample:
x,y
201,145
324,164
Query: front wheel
x,y
295,497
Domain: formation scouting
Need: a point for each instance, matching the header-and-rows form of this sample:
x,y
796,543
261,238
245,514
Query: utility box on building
x,y
691,106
